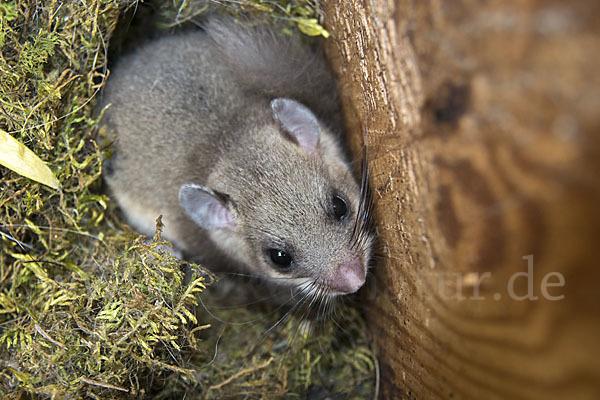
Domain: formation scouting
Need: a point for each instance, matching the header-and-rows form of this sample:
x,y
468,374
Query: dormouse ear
x,y
298,121
205,207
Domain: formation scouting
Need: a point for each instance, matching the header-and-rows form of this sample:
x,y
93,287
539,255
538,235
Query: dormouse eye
x,y
340,209
280,258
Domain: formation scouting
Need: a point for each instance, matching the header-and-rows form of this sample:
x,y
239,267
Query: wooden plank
x,y
483,124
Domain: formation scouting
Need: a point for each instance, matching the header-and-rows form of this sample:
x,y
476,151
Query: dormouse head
x,y
284,202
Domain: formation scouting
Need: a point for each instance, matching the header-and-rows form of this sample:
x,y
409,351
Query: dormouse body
x,y
231,134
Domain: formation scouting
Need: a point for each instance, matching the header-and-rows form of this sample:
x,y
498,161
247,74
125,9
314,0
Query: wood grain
x,y
483,123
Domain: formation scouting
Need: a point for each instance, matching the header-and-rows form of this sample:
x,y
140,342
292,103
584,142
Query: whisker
x,y
246,322
17,241
216,349
263,299
54,229
298,303
307,308
256,276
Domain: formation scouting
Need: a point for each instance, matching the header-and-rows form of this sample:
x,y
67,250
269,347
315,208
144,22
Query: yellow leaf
x,y
15,156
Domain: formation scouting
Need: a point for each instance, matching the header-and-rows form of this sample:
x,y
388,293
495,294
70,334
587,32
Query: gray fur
x,y
195,109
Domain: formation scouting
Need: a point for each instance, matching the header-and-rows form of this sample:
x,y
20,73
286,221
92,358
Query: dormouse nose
x,y
348,277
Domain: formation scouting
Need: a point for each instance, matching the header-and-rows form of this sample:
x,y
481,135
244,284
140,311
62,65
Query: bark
x,y
482,123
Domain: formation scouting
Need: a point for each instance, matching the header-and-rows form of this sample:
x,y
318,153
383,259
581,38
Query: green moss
x,y
88,308
306,15
75,327
34,55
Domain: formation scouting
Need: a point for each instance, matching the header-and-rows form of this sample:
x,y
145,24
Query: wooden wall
x,y
483,123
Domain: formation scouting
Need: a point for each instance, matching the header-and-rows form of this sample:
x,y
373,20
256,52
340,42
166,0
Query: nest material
x,y
87,307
